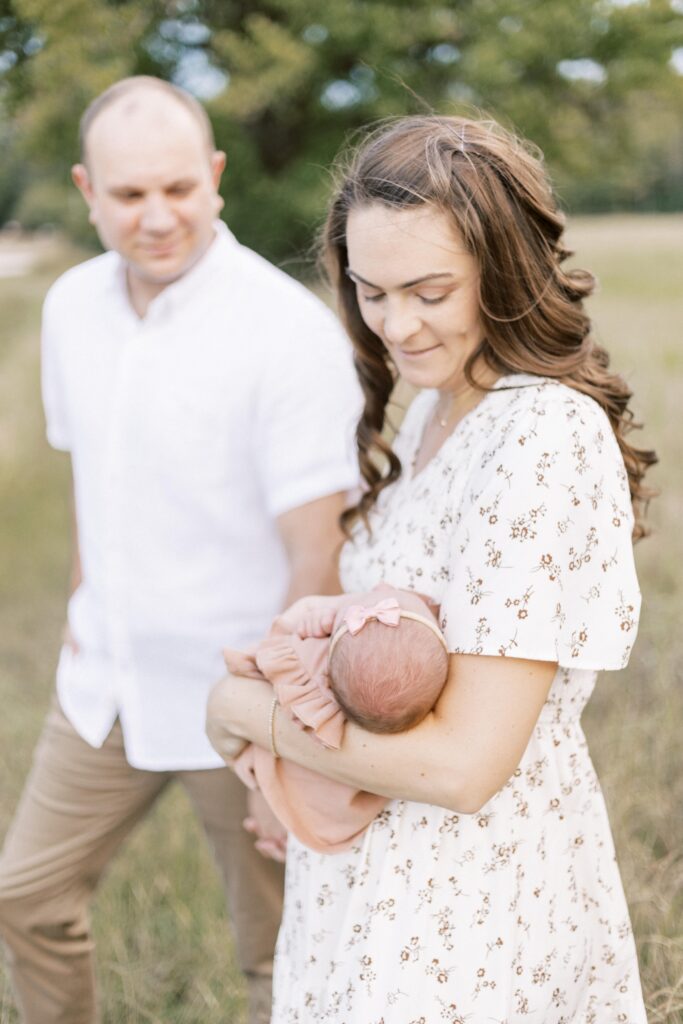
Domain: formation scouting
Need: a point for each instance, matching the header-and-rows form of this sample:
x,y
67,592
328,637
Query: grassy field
x,y
164,947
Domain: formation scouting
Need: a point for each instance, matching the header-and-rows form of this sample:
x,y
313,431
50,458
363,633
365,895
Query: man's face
x,y
151,185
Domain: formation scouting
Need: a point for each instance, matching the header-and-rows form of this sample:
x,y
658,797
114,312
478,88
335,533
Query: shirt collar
x,y
223,248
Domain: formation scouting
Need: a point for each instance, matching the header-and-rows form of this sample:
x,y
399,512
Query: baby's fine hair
x,y
386,679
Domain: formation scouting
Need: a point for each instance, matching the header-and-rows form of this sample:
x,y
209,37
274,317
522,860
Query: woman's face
x,y
417,290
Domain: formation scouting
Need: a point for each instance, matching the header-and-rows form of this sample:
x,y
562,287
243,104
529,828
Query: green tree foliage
x,y
591,81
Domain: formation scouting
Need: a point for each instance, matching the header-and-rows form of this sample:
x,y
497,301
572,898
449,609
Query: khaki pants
x,y
78,805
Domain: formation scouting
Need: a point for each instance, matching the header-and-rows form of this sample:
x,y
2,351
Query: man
x,y
205,399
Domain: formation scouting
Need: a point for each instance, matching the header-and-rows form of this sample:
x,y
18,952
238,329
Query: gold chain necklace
x,y
442,420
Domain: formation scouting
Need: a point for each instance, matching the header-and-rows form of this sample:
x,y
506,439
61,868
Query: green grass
x,y
164,944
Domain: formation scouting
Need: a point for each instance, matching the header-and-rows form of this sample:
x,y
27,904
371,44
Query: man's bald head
x,y
131,94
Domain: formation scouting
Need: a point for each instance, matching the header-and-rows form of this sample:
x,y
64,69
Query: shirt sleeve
x,y
542,560
308,411
53,391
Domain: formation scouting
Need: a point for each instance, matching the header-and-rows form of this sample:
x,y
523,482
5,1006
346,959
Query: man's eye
x,y
181,190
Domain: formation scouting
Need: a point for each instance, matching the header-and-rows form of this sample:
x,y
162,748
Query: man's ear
x,y
217,167
218,161
81,179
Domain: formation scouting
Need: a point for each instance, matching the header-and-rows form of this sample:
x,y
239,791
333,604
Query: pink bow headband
x,y
388,612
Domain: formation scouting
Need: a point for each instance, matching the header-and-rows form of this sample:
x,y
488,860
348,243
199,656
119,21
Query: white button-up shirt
x,y
190,431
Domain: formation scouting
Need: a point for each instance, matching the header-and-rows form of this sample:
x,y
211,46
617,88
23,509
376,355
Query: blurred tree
x,y
598,84
64,54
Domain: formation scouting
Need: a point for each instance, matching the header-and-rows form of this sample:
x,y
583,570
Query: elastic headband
x,y
415,616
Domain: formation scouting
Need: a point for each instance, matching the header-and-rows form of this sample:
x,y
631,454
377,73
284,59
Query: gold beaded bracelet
x,y
271,727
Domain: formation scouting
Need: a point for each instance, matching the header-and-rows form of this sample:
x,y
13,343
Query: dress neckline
x,y
521,380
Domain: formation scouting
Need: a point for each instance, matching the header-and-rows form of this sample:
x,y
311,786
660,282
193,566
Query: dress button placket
x,y
115,515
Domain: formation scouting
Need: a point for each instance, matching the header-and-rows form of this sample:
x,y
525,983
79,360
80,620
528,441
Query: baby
x,y
378,659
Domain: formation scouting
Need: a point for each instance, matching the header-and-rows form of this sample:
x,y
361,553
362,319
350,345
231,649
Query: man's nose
x,y
400,322
157,214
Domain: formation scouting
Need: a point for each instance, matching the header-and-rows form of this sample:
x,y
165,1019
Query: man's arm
x,y
312,538
76,571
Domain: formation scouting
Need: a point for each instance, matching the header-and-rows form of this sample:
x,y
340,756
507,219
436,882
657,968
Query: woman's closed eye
x,y
427,300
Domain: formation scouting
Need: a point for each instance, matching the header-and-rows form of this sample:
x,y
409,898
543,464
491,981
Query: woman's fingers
x,y
268,846
272,848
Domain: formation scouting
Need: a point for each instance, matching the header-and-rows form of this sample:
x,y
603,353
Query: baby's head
x,y
386,673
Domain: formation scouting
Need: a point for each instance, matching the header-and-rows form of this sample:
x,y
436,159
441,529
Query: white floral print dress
x,y
520,527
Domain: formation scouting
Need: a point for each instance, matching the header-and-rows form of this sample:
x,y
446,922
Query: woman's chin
x,y
423,377
419,376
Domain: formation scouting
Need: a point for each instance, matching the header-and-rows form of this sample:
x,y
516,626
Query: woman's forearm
x,y
396,766
458,757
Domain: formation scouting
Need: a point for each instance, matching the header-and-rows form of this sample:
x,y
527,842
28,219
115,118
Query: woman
x,y
487,890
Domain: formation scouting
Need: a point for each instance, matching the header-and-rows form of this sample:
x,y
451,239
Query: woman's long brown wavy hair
x,y
495,189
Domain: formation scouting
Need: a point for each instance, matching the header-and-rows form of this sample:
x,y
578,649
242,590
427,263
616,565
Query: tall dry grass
x,y
165,954
635,719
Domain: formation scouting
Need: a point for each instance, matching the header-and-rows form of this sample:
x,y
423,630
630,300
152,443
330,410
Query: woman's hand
x,y
231,748
222,736
271,835
311,616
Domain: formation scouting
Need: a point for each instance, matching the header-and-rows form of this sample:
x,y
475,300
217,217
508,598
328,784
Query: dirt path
x,y
19,253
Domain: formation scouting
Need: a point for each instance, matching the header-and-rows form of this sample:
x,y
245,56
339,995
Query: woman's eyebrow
x,y
408,284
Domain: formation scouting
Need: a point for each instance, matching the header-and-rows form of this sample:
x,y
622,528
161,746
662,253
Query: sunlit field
x,y
165,952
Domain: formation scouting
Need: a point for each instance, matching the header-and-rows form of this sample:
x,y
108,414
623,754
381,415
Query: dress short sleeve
x,y
542,561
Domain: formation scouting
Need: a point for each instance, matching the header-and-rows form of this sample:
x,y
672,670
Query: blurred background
x,y
598,85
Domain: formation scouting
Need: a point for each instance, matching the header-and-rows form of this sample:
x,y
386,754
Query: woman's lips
x,y
417,353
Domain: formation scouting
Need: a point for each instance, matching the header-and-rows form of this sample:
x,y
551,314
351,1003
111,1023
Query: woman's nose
x,y
400,323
